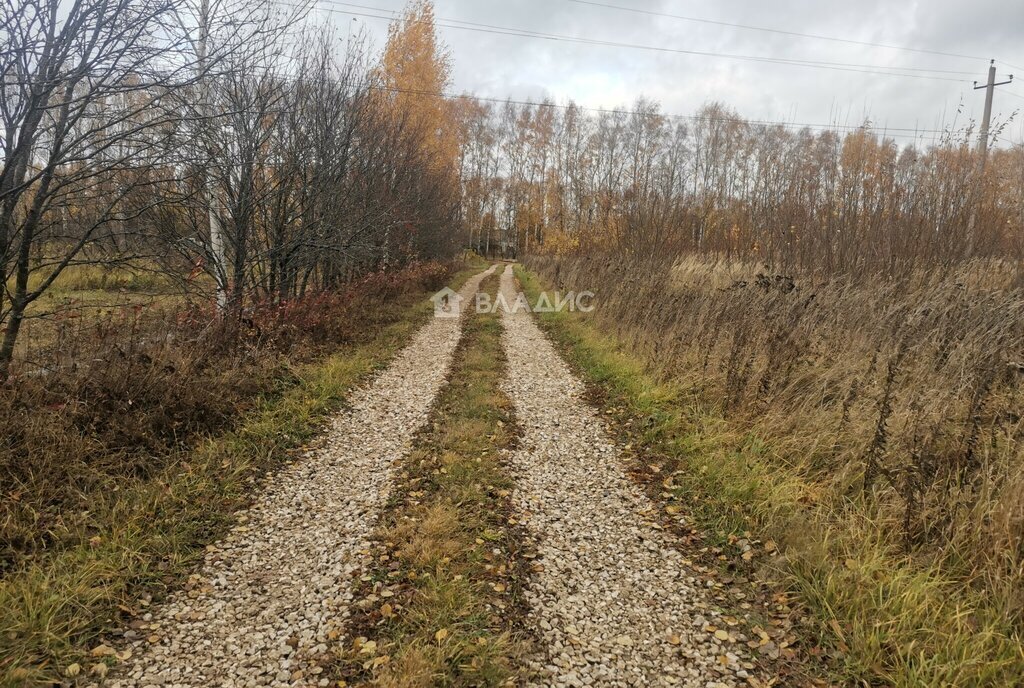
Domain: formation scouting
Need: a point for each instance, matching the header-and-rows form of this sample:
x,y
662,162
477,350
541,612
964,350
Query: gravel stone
x,y
612,593
267,596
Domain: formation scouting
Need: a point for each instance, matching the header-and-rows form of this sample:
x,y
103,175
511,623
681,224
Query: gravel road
x,y
272,593
613,603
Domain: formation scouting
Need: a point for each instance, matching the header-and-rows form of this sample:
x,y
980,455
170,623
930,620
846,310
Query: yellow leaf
x,y
722,635
441,635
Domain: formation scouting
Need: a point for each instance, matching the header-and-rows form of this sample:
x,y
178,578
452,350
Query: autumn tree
x,y
643,183
416,71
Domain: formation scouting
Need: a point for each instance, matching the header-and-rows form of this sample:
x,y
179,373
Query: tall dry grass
x,y
895,400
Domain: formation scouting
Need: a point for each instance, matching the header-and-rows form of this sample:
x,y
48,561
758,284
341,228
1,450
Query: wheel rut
x,y
271,596
613,602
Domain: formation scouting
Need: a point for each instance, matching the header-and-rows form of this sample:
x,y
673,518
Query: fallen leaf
x,y
441,635
73,670
722,635
387,611
102,651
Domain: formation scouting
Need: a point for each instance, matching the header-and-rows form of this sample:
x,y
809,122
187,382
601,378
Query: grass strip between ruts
x,y
440,601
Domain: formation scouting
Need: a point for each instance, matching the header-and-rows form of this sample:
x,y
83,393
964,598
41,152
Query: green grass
x,y
884,618
439,605
55,606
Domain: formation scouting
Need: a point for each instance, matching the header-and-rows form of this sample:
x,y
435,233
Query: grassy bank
x,y
885,612
123,532
439,601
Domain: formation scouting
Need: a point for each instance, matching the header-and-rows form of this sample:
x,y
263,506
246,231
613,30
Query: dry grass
x,y
872,426
117,474
440,603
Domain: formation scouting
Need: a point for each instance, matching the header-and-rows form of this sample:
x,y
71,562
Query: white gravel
x,y
614,604
272,594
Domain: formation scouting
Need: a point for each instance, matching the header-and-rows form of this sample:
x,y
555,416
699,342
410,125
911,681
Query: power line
x,y
798,34
837,128
525,33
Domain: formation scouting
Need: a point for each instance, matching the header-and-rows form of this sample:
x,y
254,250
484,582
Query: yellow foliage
x,y
560,243
416,71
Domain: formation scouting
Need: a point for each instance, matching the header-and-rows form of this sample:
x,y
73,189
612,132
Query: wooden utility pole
x,y
986,120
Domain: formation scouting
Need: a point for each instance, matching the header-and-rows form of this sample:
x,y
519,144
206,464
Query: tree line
x,y
542,178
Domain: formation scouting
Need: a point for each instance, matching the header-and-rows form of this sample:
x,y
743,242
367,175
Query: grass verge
x,y
882,617
440,598
146,534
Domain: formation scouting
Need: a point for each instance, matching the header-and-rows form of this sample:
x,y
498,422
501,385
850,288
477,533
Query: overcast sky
x,y
502,66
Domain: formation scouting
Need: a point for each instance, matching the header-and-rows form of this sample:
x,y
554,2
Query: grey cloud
x,y
505,66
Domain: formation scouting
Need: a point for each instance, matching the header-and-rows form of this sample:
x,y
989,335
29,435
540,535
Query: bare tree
x,y
88,134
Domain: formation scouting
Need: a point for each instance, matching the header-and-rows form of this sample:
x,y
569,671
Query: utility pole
x,y
220,272
986,120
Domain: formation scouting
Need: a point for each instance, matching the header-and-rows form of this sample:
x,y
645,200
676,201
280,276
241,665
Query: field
x,y
870,426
